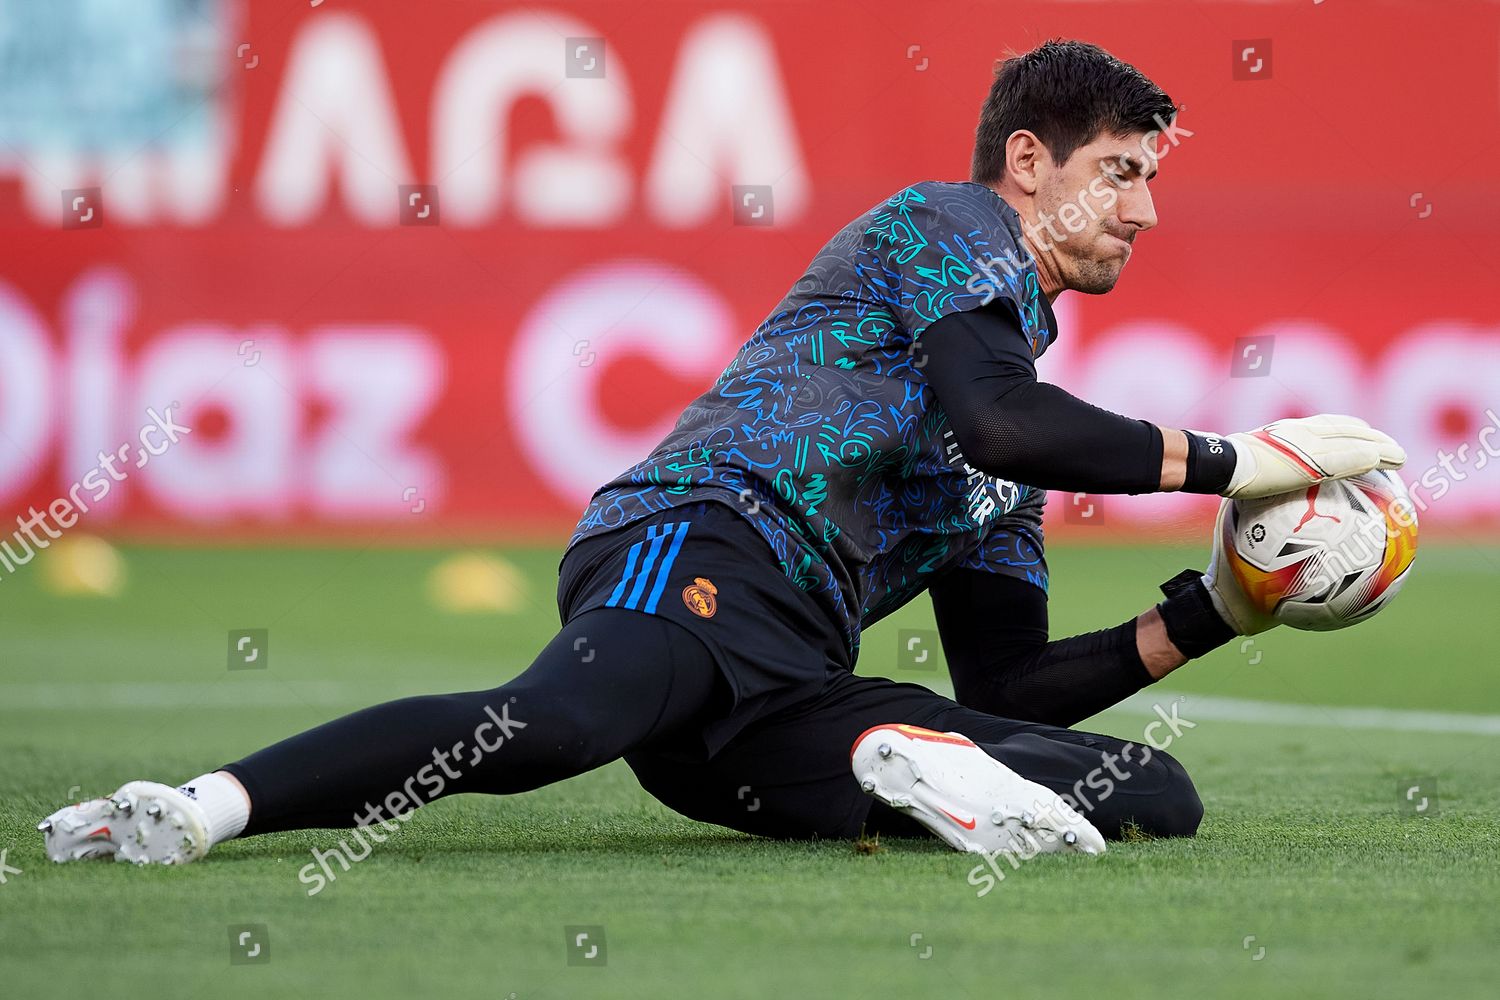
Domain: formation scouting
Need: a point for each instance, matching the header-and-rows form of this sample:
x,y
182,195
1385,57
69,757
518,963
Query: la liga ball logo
x,y
699,597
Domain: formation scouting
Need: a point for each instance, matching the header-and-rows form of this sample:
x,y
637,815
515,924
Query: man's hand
x,y
1203,611
1224,590
1292,454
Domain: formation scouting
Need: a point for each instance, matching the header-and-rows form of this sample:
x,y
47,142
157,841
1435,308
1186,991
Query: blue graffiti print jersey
x,y
823,433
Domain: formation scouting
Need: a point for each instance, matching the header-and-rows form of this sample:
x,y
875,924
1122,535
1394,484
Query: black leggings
x,y
617,683
788,775
611,681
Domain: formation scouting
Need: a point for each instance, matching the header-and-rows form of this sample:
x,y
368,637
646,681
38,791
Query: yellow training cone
x,y
475,583
82,566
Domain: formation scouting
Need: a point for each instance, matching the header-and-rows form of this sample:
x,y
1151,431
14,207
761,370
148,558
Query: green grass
x,y
1304,845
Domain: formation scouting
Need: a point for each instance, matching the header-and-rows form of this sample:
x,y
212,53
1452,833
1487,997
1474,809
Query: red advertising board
x,y
442,268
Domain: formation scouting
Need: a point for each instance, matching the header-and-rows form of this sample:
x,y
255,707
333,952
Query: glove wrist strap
x,y
1211,460
1188,613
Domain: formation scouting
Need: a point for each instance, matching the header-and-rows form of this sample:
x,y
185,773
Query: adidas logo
x,y
189,791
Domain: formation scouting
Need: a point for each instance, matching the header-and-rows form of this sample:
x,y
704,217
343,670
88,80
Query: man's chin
x,y
1096,277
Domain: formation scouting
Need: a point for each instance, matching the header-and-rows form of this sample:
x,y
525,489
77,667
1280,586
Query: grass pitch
x,y
1312,876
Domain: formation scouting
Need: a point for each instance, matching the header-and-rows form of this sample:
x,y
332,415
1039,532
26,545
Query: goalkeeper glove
x,y
1224,590
1203,611
1292,454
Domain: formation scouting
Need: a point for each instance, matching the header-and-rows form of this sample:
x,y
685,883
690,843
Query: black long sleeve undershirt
x,y
1010,425
994,633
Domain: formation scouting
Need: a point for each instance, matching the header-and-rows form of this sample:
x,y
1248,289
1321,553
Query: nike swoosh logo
x,y
966,824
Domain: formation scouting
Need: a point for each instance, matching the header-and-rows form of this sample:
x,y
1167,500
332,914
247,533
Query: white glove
x,y
1295,453
1224,590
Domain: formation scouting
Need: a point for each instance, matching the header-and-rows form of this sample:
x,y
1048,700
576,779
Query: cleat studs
x,y
154,810
45,826
1070,838
884,749
124,805
868,785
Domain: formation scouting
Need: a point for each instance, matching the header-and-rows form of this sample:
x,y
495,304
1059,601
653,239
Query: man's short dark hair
x,y
1068,93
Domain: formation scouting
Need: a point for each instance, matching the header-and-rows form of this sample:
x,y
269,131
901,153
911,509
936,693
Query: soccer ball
x,y
1326,557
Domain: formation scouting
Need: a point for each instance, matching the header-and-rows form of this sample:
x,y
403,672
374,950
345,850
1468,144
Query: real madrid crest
x,y
699,597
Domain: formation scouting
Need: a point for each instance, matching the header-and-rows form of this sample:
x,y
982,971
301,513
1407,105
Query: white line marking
x,y
238,692
247,691
1218,709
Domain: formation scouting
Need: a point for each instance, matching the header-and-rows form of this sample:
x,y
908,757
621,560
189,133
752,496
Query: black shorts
x,y
703,567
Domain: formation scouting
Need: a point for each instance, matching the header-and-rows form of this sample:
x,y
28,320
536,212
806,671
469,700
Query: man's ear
x,y
1024,156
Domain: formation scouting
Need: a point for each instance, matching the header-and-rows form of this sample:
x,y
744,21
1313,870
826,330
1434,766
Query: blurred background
x,y
434,271
321,319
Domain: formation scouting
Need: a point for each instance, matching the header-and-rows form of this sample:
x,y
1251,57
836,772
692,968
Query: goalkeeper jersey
x,y
823,433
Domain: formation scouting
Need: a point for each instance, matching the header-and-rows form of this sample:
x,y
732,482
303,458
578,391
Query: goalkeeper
x,y
881,434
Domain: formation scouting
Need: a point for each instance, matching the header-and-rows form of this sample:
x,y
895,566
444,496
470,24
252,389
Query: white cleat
x,y
965,796
144,823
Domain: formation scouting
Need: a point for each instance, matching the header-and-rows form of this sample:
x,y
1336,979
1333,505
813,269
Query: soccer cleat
x,y
965,796
143,823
